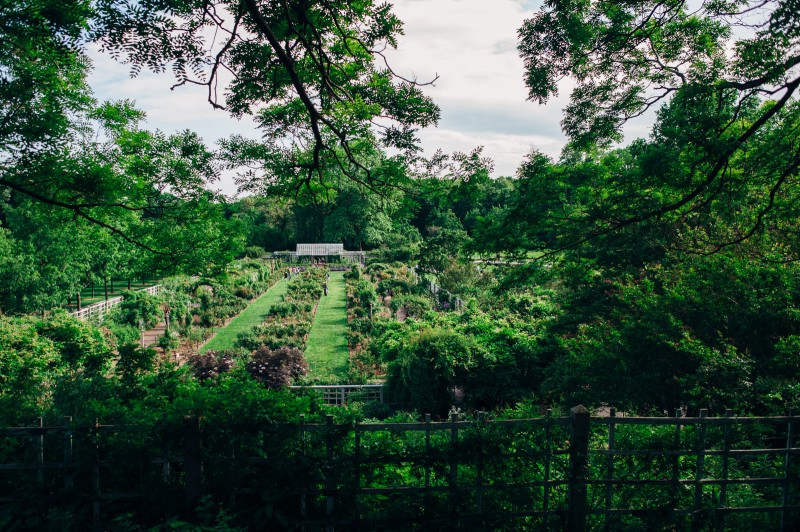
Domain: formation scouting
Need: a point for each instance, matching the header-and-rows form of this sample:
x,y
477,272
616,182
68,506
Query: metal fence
x,y
550,473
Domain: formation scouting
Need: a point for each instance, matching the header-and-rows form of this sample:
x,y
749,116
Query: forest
x,y
638,277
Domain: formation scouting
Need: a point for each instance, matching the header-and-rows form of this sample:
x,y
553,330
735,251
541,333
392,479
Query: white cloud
x,y
470,44
184,107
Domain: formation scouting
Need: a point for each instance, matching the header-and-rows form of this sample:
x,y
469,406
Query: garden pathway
x,y
247,319
326,349
152,336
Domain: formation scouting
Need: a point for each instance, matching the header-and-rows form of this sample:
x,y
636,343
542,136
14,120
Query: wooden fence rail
x,y
341,394
552,473
100,308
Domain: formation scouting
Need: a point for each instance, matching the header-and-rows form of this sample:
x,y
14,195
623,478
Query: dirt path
x,y
152,336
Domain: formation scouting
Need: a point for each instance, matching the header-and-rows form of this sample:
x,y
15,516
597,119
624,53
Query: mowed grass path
x,y
326,349
247,319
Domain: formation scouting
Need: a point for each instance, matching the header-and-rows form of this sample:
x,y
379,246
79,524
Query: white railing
x,y
339,394
153,290
98,309
435,289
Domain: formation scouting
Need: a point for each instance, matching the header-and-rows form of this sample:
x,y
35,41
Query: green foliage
x,y
38,353
430,367
123,332
444,243
168,341
29,360
396,286
353,274
416,306
134,361
311,72
139,309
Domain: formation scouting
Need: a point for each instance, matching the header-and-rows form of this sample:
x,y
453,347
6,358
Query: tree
x,y
431,365
315,72
69,206
92,162
626,58
443,243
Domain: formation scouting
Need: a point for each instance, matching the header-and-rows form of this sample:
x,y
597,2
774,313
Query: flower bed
x,y
372,297
288,322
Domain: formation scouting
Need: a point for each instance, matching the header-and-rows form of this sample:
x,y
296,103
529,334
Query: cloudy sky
x,y
470,44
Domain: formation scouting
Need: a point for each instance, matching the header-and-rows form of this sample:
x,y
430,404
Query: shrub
x,y
276,368
254,252
134,360
353,274
124,333
210,364
397,286
244,292
416,306
168,341
250,340
135,307
432,364
282,309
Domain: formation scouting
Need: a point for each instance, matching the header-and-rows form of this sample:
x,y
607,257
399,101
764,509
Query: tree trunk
x,y
79,300
92,290
105,287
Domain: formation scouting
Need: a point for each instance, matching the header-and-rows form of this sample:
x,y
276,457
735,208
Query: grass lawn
x,y
326,349
247,319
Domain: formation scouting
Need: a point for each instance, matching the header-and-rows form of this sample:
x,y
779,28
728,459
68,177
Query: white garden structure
x,y
326,250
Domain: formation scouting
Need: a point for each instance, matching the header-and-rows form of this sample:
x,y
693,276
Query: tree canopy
x,y
314,73
728,73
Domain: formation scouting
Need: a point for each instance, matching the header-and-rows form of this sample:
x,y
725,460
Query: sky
x,y
469,44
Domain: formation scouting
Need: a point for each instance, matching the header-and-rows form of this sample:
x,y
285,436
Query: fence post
x,y
165,467
723,489
697,521
40,452
357,474
96,523
787,476
427,464
578,464
303,509
68,453
548,439
329,483
676,442
610,468
479,466
193,459
454,468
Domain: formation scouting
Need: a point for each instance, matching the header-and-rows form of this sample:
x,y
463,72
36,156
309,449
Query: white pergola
x,y
319,250
327,250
